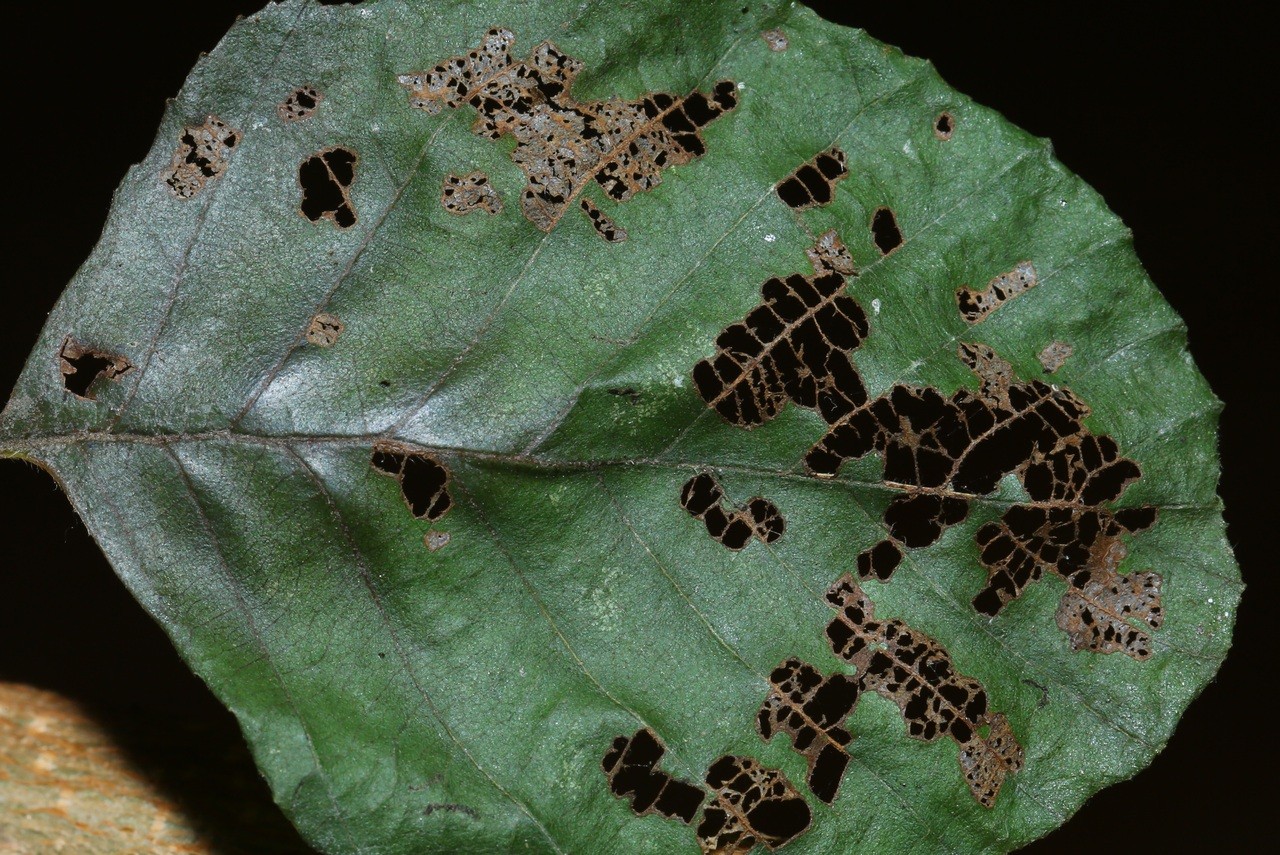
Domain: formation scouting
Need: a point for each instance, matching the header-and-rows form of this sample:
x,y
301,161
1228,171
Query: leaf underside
x,y
418,474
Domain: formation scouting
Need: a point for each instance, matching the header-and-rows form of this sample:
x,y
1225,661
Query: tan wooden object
x,y
68,786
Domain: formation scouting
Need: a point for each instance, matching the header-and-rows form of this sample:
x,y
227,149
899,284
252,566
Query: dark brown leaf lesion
x,y
424,481
563,144
201,156
704,499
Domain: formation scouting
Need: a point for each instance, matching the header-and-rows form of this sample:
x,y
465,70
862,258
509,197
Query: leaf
x,y
245,365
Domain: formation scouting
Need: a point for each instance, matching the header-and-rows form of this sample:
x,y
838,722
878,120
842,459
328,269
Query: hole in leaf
x,y
325,178
975,306
814,182
562,144
884,230
472,192
917,674
943,451
300,104
811,709
604,226
794,346
200,157
423,479
750,804
81,365
944,126
703,498
631,764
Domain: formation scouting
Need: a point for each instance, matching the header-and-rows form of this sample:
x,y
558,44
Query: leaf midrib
x,y
32,445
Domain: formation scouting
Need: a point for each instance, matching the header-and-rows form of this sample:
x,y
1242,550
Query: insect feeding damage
x,y
814,181
1055,355
776,40
80,365
812,709
324,329
903,665
326,178
974,305
300,104
1067,530
201,156
472,192
424,482
830,253
794,346
944,126
703,498
562,144
943,451
604,226
749,803
916,673
885,231
631,765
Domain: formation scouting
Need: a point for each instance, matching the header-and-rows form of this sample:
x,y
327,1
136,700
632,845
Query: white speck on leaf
x,y
875,305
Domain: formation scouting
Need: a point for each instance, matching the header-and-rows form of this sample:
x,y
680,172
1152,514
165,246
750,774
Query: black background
x,y
1167,118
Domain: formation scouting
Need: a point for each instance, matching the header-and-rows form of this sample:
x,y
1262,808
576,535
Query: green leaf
x,y
217,383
